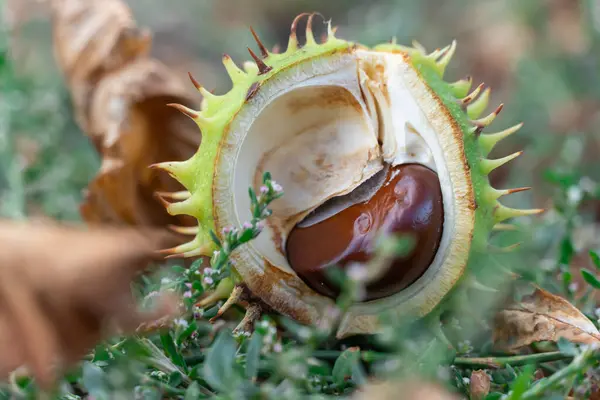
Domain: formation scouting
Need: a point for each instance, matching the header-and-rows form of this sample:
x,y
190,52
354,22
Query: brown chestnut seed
x,y
407,201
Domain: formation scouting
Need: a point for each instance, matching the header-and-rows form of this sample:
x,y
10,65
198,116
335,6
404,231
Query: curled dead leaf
x,y
63,288
542,316
132,128
92,39
120,98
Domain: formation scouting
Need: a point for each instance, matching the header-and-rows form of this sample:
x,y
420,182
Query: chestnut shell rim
x,y
289,294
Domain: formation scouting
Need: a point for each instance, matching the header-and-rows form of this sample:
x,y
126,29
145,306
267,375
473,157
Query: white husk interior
x,y
316,129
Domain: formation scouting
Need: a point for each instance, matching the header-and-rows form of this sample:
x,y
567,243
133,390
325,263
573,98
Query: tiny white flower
x,y
276,186
466,380
264,189
573,286
574,194
357,272
272,330
187,294
332,312
181,322
391,365
208,280
277,347
465,346
165,281
247,225
198,312
208,271
216,253
304,333
547,264
455,323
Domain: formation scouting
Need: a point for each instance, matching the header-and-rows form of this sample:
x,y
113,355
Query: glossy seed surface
x,y
409,202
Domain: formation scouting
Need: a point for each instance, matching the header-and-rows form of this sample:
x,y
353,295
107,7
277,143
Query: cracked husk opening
x,y
322,128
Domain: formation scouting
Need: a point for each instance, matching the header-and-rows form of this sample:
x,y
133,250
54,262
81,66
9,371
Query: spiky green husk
x,y
197,173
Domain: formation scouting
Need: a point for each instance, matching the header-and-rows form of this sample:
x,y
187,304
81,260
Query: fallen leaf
x,y
65,288
120,96
133,128
542,316
479,385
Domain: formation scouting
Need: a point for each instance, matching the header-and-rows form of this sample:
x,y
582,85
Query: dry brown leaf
x,y
63,288
120,98
542,316
479,385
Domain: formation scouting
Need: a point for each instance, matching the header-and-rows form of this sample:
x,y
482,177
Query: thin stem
x,y
500,362
579,364
476,362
